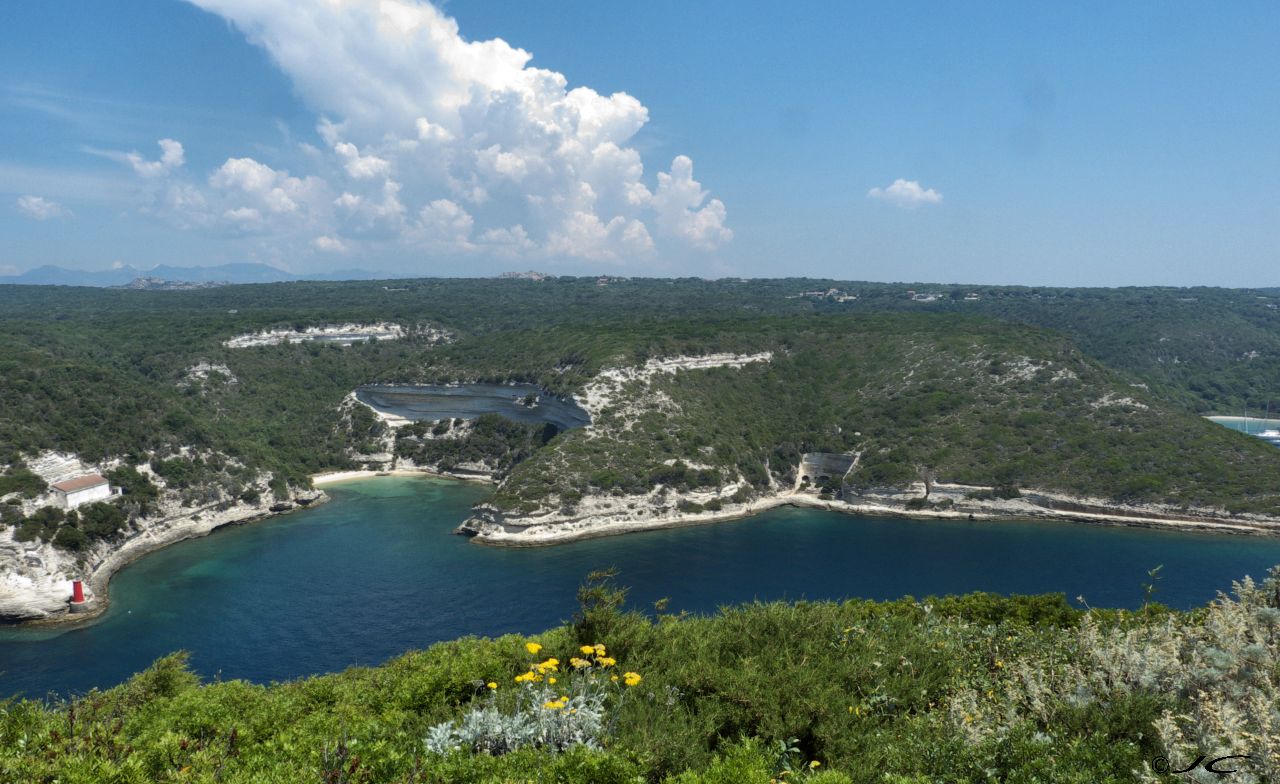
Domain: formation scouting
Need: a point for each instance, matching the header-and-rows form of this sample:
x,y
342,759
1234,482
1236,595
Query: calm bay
x,y
377,572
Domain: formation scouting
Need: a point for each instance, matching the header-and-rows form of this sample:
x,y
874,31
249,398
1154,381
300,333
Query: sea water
x,y
377,572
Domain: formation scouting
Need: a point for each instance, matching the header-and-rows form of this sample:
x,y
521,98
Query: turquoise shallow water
x,y
376,572
1251,425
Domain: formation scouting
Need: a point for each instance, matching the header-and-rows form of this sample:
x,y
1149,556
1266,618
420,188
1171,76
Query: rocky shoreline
x,y
37,591
611,516
462,475
40,597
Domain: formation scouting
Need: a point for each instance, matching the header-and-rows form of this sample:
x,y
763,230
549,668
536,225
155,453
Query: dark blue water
x,y
377,572
468,401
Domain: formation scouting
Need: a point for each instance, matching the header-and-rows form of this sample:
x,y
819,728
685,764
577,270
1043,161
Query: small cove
x,y
524,403
377,572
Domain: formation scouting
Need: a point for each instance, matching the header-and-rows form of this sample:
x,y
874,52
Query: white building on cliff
x,y
81,490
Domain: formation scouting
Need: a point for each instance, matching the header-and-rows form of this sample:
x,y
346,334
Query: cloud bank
x,y
438,144
907,194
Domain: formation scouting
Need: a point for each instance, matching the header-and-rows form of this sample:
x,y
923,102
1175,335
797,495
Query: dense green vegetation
x,y
977,688
956,398
72,530
1215,350
490,440
107,374
21,481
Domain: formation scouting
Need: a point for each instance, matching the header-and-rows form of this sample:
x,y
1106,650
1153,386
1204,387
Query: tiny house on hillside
x,y
81,490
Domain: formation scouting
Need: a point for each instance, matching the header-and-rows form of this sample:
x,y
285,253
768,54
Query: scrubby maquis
x,y
979,687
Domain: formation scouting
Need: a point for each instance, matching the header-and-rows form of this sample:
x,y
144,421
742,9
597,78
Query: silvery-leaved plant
x,y
550,713
1222,667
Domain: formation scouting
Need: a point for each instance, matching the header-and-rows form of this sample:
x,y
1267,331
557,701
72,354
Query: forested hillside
x,y
924,375
952,398
1212,349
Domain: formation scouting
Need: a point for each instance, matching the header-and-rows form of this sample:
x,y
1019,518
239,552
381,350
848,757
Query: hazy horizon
x,y
358,274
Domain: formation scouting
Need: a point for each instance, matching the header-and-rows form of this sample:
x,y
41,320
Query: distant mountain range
x,y
126,275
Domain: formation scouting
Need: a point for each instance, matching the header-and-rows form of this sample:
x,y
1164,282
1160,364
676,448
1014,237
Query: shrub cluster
x,y
553,709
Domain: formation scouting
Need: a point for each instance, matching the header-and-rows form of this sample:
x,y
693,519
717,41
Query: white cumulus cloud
x,y
361,167
264,187
679,204
40,208
907,194
445,223
172,156
434,141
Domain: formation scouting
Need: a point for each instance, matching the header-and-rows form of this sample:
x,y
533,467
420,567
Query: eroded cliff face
x,y
35,579
661,508
617,399
606,515
35,576
374,447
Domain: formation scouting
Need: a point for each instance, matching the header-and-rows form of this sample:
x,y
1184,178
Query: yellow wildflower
x,y
613,677
814,764
606,661
532,647
552,705
551,681
588,649
599,649
631,678
491,685
999,663
579,663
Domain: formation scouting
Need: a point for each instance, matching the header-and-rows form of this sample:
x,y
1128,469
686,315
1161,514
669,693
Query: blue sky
x,y
1072,144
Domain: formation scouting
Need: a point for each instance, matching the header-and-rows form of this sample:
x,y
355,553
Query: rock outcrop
x,y
35,576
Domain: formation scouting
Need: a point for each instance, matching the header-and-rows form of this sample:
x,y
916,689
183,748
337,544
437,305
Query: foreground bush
x,y
552,710
969,689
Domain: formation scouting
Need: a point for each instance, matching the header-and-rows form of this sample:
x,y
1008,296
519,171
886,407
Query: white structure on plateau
x,y
81,490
